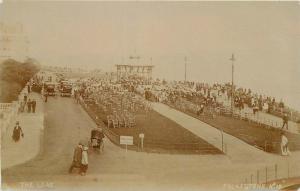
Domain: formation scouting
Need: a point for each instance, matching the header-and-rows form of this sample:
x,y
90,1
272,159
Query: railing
x,y
261,121
270,173
184,105
9,112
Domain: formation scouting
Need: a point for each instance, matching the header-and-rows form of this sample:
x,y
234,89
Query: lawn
x,y
161,134
260,136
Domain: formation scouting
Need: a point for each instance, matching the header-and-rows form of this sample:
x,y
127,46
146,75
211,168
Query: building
x,y
14,43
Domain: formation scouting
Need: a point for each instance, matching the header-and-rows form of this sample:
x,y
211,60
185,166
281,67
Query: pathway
x,y
32,124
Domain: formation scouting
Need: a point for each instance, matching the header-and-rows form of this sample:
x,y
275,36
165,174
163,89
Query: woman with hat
x,y
17,132
84,161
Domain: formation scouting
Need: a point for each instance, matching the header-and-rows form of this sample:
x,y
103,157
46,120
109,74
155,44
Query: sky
x,y
264,36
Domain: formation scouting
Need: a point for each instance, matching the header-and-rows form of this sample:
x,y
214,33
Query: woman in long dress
x,y
84,161
17,132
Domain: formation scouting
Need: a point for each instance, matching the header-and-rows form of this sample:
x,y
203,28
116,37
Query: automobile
x,y
65,88
49,88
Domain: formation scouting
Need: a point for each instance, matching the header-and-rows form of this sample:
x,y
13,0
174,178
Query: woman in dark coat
x,y
77,157
17,132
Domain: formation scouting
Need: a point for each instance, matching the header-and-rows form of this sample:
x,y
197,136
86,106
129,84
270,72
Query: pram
x,y
96,141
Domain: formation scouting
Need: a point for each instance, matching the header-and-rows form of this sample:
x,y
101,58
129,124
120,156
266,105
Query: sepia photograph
x,y
150,95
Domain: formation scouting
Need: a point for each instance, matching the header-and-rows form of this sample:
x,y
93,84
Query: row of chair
x,y
118,121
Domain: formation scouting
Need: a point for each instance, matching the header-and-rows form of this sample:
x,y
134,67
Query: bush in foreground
x,y
13,77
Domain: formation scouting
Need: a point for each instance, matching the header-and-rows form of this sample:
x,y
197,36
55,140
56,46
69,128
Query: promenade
x,y
32,124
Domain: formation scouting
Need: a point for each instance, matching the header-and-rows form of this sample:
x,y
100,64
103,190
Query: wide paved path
x,y
234,148
32,125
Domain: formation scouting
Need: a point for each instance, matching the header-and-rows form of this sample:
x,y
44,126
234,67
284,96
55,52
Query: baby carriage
x,y
96,142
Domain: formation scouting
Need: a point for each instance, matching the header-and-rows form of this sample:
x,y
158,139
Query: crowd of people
x,y
199,97
209,95
116,100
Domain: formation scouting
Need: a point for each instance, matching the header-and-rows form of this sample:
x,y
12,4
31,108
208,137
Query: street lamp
x,y
185,60
232,84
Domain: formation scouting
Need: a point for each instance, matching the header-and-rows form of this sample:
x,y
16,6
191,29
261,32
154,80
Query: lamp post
x,y
185,60
232,83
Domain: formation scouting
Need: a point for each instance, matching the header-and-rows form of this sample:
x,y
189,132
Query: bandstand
x,y
127,71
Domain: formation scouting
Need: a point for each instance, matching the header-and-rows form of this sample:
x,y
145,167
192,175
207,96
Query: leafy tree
x,y
13,77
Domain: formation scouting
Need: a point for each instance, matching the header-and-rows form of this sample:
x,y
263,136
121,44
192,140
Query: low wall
x,y
32,124
10,111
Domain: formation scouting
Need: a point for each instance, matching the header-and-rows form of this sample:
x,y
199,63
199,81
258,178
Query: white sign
x,y
126,140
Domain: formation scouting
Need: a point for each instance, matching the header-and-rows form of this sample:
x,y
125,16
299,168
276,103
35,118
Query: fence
x,y
8,114
258,120
282,170
184,105
275,119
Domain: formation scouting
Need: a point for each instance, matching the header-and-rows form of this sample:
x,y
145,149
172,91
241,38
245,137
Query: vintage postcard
x,y
160,95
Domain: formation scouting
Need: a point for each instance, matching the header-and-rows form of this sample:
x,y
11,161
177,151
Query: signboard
x,y
126,140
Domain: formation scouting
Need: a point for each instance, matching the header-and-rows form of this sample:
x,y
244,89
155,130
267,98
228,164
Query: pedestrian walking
x,y
84,161
29,104
33,103
46,96
17,132
77,157
42,91
22,107
285,120
28,88
25,98
284,145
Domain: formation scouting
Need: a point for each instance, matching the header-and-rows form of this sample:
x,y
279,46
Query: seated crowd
x,y
116,100
124,97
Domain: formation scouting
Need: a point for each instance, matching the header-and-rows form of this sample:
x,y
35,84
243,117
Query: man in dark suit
x,y
29,106
25,98
33,103
46,96
28,88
